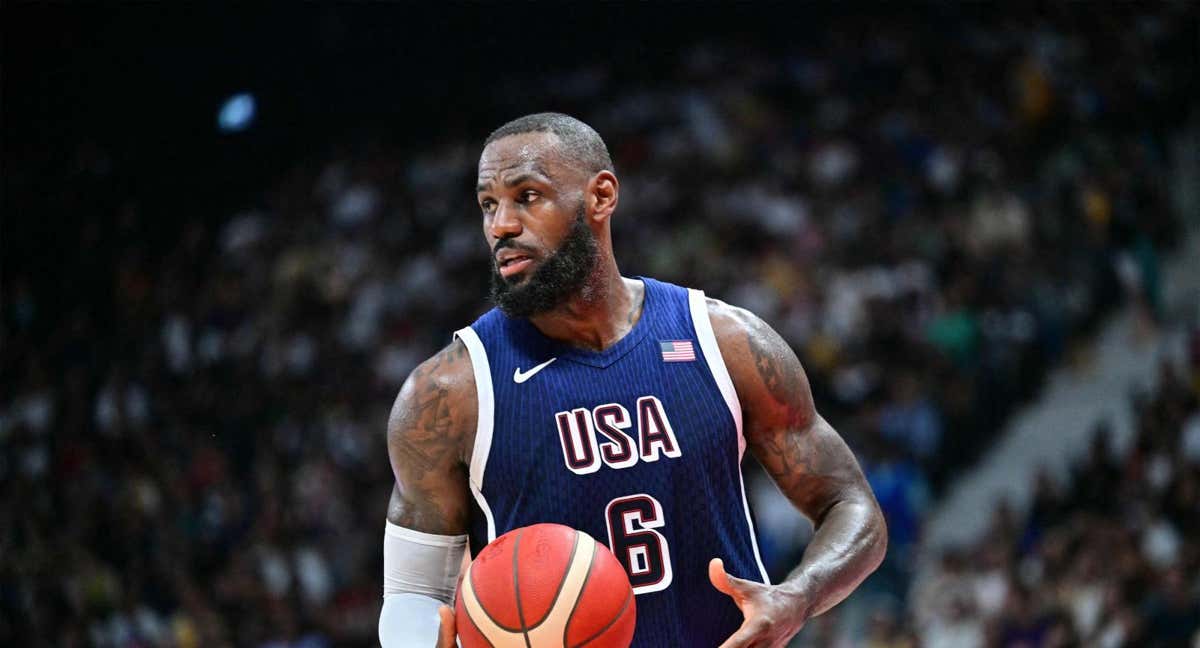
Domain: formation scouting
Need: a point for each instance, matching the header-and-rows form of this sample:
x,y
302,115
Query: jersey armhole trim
x,y
716,364
483,429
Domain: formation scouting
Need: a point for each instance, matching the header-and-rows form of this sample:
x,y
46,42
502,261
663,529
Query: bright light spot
x,y
237,113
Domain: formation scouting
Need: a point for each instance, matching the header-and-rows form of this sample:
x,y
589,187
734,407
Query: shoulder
x,y
438,398
447,370
764,368
739,331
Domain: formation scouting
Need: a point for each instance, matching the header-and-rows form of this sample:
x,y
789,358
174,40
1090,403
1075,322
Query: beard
x,y
559,277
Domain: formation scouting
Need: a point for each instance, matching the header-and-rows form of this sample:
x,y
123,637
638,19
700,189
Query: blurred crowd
x,y
1109,559
193,409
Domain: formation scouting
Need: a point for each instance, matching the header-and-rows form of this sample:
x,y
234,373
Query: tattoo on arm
x,y
780,372
805,456
429,431
796,446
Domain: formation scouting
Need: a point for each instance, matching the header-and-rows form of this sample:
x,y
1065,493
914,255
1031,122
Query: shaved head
x,y
579,144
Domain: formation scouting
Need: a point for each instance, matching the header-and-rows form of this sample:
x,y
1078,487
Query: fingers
x,y
447,631
745,637
756,633
761,628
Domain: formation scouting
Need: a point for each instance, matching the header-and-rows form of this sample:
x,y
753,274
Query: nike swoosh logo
x,y
519,377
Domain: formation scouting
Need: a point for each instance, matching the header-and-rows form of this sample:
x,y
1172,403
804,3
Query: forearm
x,y
420,572
849,543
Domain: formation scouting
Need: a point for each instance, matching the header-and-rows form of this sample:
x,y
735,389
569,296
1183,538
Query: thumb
x,y
726,584
447,630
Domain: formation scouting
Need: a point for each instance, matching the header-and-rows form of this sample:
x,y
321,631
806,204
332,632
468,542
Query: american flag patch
x,y
677,350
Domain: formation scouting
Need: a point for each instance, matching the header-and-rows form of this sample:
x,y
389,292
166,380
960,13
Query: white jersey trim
x,y
483,430
716,364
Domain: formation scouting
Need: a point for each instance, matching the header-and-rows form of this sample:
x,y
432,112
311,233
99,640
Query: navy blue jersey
x,y
638,445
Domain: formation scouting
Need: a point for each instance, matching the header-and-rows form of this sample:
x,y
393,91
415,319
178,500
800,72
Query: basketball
x,y
545,585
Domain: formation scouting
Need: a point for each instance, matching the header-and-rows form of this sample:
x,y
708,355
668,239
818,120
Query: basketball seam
x,y
582,589
517,586
562,583
617,617
474,588
478,631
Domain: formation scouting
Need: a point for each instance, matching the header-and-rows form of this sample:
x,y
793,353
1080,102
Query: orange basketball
x,y
545,585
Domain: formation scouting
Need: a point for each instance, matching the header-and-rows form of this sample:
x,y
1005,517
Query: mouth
x,y
512,264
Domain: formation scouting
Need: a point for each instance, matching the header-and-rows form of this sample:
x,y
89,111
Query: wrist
x,y
796,592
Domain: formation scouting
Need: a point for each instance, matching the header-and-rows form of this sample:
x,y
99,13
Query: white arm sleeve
x,y
408,621
420,571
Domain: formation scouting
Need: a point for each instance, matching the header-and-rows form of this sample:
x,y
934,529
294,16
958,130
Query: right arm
x,y
431,432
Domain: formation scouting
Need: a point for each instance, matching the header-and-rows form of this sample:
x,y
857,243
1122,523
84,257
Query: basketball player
x,y
620,407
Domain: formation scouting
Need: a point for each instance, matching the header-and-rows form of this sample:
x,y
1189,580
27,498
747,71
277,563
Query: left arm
x,y
813,467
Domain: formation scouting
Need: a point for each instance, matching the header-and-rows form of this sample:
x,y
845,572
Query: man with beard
x,y
586,398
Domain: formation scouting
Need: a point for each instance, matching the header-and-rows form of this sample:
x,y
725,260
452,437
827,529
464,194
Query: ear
x,y
603,191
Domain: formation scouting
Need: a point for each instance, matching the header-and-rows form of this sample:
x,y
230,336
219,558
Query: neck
x,y
603,312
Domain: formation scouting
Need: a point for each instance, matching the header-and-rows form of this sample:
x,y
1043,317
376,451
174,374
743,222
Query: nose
x,y
505,223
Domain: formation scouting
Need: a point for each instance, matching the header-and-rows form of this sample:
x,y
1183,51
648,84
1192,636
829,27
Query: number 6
x,y
632,521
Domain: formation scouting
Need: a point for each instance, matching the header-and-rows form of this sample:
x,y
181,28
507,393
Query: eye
x,y
529,196
487,205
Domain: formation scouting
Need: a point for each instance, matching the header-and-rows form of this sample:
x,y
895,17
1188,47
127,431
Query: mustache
x,y
511,243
